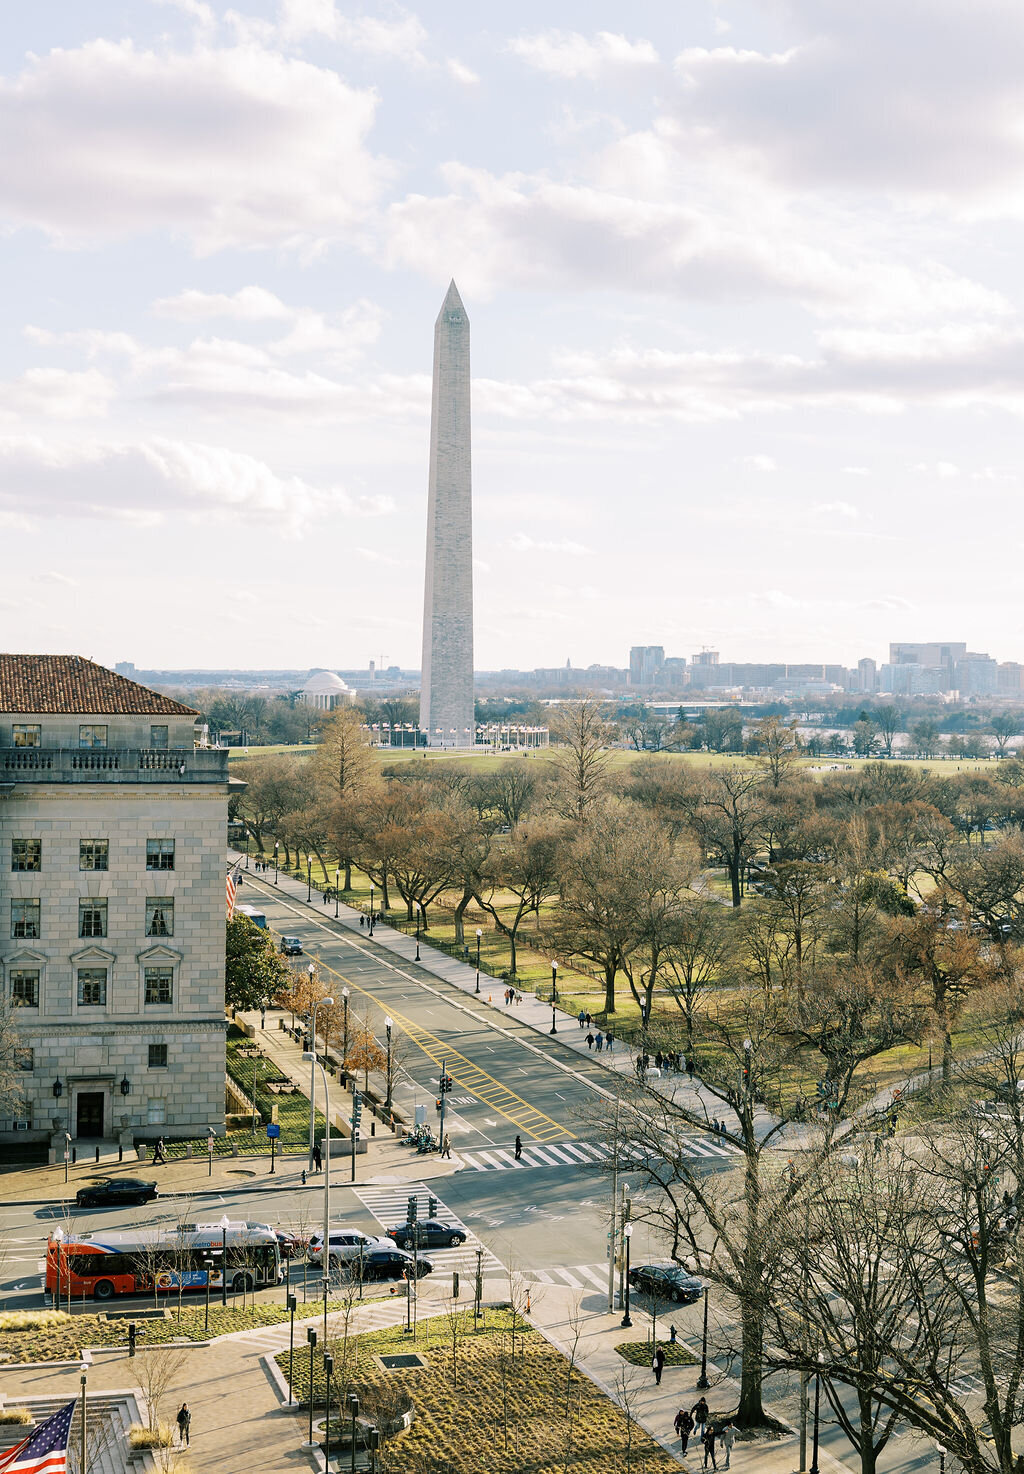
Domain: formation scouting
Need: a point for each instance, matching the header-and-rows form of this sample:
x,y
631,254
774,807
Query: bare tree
x,y
581,764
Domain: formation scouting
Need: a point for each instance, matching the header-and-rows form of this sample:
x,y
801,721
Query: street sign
x,y
273,1130
209,1143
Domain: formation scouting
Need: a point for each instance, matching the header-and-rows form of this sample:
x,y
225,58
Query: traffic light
x,y
432,1207
357,1111
437,1104
411,1211
446,1082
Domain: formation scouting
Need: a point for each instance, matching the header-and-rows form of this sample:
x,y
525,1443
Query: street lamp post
x,y
311,1338
627,1234
344,1036
479,934
67,1153
224,1224
208,1266
353,1407
326,1253
291,1304
309,879
85,1385
388,1024
554,996
312,1072
247,849
277,847
58,1235
328,1369
370,933
417,936
337,889
702,1380
817,1401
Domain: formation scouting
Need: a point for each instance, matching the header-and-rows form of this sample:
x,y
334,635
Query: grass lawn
x,y
639,1353
504,1414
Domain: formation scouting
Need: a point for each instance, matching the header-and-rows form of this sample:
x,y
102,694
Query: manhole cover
x,y
400,1362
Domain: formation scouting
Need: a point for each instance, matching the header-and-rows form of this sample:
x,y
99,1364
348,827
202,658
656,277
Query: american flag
x,y
43,1452
231,887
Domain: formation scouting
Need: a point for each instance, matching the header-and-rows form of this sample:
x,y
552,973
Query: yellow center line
x,y
470,1076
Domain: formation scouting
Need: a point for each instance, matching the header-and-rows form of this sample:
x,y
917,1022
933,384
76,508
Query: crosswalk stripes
x,y
389,1205
576,1276
576,1154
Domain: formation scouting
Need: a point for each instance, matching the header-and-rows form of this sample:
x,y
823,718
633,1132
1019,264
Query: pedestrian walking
x,y
658,1365
700,1414
362,921
519,1148
684,1427
184,1421
590,1041
608,1042
689,1065
728,1439
599,1041
318,1157
588,1020
446,1146
581,1019
158,1152
709,1441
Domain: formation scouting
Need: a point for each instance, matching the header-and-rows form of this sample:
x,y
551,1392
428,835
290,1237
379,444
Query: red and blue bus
x,y
162,1259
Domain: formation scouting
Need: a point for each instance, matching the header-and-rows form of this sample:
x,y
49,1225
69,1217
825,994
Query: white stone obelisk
x,y
446,692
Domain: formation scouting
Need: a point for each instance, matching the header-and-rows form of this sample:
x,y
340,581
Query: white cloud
x,y
461,73
836,509
521,543
51,576
401,39
856,471
234,146
761,463
248,304
569,54
146,482
56,394
942,470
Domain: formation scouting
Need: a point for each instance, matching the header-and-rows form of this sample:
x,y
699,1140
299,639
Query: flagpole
x,y
84,1469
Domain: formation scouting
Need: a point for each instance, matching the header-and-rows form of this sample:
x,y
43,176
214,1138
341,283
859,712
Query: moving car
x,y
666,1282
112,1192
392,1264
346,1243
291,947
428,1234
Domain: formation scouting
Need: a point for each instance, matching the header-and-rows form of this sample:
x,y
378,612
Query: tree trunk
x,y
347,862
460,912
609,988
385,899
750,1413
734,875
947,1055
511,952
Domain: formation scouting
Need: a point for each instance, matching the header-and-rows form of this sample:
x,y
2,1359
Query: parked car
x,y
345,1244
429,1233
115,1191
391,1264
666,1282
291,947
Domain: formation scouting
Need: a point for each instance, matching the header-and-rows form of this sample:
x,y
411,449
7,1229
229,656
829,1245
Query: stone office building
x,y
112,842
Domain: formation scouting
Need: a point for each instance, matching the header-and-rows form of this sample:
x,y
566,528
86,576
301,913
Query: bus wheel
x,y
241,1282
103,1290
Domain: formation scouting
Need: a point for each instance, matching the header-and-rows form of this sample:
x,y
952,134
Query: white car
x,y
345,1244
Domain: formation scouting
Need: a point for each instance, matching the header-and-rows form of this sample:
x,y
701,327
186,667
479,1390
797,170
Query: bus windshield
x,y
258,918
188,1257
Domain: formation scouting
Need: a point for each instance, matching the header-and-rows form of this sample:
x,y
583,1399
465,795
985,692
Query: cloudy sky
x,y
744,284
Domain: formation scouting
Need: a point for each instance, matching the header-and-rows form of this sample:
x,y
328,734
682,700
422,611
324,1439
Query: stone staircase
x,y
110,1415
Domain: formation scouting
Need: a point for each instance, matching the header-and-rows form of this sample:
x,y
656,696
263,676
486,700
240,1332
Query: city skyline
x,y
746,369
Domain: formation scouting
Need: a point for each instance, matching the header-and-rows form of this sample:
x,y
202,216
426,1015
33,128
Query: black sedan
x,y
428,1234
113,1192
389,1264
666,1282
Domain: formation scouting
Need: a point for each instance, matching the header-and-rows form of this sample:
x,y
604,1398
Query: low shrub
x,y
15,1415
139,1437
31,1320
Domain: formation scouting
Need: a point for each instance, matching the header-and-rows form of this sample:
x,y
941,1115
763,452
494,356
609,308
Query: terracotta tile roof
x,y
60,684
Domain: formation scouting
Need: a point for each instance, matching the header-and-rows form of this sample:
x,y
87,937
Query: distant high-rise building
x,y
705,657
125,668
976,675
446,692
1011,677
867,670
645,663
931,654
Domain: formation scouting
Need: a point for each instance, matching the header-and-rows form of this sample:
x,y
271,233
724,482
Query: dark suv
x,y
388,1264
428,1234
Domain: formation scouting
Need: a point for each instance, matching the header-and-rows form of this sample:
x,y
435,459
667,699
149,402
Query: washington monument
x,y
446,692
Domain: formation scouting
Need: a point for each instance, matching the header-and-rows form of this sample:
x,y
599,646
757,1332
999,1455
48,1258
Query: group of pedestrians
x,y
512,995
709,1435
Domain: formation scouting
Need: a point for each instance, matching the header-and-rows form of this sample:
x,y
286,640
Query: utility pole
x,y
612,1237
624,1220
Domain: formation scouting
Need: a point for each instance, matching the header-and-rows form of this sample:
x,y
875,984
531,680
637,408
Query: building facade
x,y
112,906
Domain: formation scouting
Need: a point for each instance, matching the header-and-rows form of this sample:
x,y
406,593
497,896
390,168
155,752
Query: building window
x,y
93,854
26,854
92,987
27,734
159,985
159,854
25,987
91,736
158,738
156,1111
24,918
158,1056
24,1059
92,918
160,916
